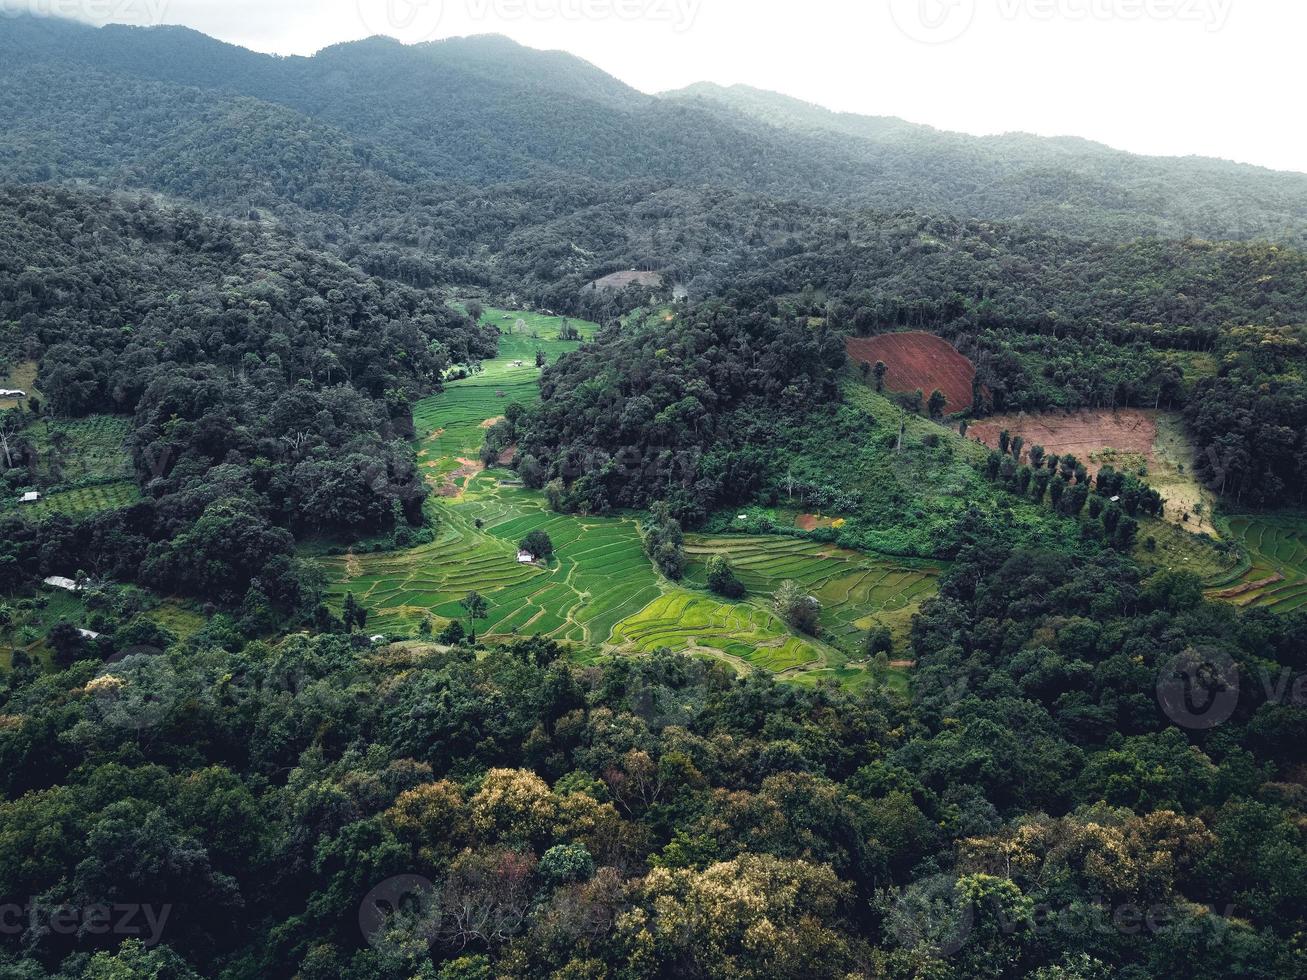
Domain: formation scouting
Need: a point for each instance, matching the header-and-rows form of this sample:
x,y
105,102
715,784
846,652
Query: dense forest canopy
x,y
511,113
245,272
269,385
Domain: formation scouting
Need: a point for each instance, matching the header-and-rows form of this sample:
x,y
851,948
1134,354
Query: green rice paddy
x,y
856,591
599,590
1275,576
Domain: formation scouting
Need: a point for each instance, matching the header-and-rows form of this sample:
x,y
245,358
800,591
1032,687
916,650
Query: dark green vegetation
x,y
795,689
611,582
359,123
647,817
264,390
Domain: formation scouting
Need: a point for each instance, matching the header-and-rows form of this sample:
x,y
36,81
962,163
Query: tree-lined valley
x,y
464,517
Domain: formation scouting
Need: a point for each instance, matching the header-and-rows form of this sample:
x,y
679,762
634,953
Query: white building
x,y
59,582
526,558
30,497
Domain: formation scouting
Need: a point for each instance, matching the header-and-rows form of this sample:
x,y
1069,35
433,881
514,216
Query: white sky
x,y
1213,77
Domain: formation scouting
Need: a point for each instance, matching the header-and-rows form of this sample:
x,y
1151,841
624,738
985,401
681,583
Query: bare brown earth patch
x,y
919,361
1123,439
490,423
810,522
620,280
1239,590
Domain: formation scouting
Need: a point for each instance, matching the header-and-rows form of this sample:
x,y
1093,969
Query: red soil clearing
x,y
810,522
1084,434
919,360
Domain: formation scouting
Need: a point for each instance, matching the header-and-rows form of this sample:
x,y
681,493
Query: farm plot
x,y
742,632
88,451
599,573
32,617
919,361
1123,439
20,377
1130,440
1276,576
85,500
454,422
599,589
856,591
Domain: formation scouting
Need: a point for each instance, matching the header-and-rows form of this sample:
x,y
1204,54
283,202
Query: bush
x,y
722,580
799,610
538,544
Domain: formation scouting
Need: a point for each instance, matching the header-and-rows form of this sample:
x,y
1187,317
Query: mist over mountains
x,y
154,108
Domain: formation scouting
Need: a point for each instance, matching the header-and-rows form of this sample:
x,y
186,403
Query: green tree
x,y
879,640
475,605
879,371
798,609
537,543
722,579
937,403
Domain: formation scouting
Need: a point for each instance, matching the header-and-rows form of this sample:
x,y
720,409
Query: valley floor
x,y
600,591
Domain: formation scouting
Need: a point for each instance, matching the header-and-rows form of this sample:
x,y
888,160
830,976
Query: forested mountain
x,y
269,385
486,110
1069,184
248,713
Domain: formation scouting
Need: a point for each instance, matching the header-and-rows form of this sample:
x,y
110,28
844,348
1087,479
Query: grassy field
x,y
856,591
599,590
20,377
85,500
32,618
1275,575
1176,549
86,453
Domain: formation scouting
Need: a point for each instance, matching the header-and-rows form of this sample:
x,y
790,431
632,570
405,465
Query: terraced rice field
x,y
599,590
743,632
856,591
1276,577
454,422
598,576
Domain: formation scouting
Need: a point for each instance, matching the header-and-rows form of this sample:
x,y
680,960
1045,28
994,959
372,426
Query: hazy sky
x,y
1214,77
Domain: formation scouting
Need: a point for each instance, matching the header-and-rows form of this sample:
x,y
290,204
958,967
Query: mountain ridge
x,y
486,110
